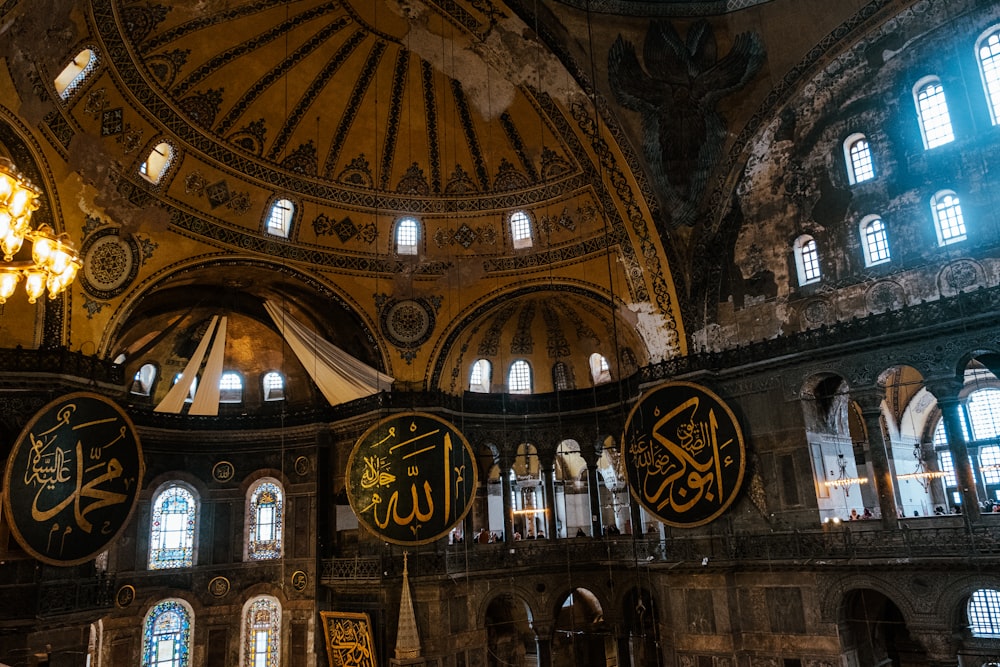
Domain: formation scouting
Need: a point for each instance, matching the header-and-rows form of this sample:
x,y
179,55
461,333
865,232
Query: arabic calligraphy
x,y
349,639
684,454
411,478
72,479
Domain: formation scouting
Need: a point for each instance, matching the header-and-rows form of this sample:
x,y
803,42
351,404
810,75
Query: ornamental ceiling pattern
x,y
348,94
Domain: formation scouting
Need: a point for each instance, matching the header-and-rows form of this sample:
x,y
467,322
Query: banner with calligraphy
x,y
411,478
349,641
72,479
683,453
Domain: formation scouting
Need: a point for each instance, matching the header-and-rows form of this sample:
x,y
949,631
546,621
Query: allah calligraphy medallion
x,y
411,478
72,479
684,454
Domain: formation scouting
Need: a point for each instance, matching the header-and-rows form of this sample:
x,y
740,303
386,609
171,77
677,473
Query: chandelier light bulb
x,y
54,261
8,283
34,284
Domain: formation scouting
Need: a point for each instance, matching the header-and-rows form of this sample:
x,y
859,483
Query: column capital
x,y
869,398
945,389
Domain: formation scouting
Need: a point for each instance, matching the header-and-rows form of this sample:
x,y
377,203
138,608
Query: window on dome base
x,y
157,163
279,218
480,376
519,377
407,236
75,73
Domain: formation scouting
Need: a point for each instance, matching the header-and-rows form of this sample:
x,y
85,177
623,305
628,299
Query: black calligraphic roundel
x,y
684,454
72,479
411,478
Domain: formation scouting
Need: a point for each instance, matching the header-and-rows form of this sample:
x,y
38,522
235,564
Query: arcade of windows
x,y
934,120
520,379
174,524
231,386
169,626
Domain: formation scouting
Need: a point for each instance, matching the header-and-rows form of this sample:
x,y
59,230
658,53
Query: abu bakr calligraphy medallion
x,y
683,453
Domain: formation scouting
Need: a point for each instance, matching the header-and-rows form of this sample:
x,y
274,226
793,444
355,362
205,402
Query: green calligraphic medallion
x,y
683,453
411,478
72,479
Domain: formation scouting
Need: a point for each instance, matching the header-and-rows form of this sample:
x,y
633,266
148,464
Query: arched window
x,y
948,219
75,73
265,520
984,613
481,376
520,229
983,407
172,528
166,635
407,236
157,163
807,260
860,167
142,381
261,632
932,112
874,240
600,372
519,378
562,376
191,389
230,388
274,386
988,49
279,218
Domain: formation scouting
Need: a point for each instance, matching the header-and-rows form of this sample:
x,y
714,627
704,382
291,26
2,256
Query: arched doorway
x,y
873,633
510,639
580,636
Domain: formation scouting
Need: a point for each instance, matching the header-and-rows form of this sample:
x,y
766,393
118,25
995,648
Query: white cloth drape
x,y
174,400
206,398
339,376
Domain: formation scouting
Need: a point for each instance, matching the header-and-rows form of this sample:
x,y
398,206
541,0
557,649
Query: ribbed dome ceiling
x,y
354,94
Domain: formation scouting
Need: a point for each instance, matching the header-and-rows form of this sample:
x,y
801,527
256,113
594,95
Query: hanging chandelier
x,y
53,263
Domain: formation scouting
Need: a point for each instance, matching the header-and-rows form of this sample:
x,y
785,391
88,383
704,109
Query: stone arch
x,y
508,619
579,629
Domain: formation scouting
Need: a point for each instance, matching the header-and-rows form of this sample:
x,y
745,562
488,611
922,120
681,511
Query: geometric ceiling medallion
x,y
110,263
407,323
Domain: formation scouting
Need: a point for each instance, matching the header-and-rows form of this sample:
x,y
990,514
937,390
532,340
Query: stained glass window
x,y
265,516
262,633
166,637
172,529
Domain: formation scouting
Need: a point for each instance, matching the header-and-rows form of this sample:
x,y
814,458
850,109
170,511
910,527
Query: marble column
x,y
870,402
947,393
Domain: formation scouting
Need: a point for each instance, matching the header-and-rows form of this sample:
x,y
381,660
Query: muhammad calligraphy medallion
x,y
72,479
684,454
411,478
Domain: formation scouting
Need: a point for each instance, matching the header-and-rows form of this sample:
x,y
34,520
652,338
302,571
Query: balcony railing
x,y
829,546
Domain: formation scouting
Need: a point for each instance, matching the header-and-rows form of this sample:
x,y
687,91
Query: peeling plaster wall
x,y
795,182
